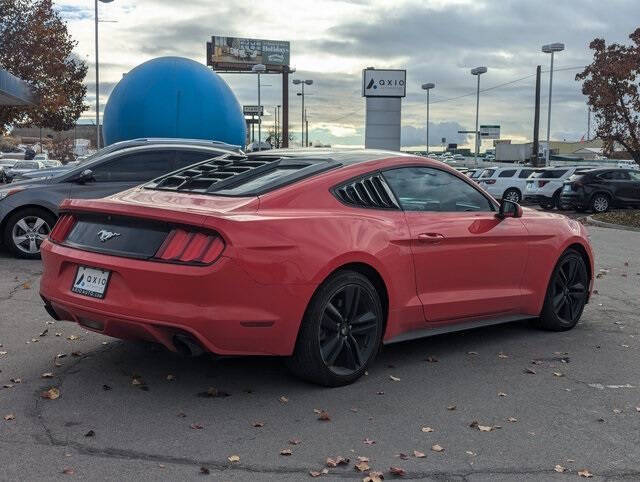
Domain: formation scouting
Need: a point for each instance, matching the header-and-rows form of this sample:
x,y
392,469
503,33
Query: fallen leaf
x,y
530,371
51,394
637,409
294,441
47,375
213,392
362,459
284,399
368,441
233,458
381,392
286,452
44,333
469,452
395,379
585,473
502,394
419,454
559,468
204,471
398,471
536,362
196,426
426,429
15,380
485,428
324,416
258,424
472,353
26,286
451,407
68,471
137,381
318,473
502,355
402,456
431,359
7,385
617,410
9,416
61,355
437,448
3,352
374,477
558,374
335,461
361,466
72,337
512,419
106,387
90,433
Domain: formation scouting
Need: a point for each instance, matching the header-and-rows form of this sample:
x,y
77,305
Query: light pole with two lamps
x,y
478,71
98,77
302,83
428,86
550,49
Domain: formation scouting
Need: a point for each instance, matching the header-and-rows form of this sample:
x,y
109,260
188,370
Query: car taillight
x,y
490,181
62,228
542,183
182,246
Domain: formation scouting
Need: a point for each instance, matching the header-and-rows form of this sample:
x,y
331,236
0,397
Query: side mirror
x,y
509,209
85,176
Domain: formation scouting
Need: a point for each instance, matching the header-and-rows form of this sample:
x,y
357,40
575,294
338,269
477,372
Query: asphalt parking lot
x,y
546,405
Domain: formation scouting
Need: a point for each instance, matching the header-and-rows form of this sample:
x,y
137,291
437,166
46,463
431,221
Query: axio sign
x,y
384,83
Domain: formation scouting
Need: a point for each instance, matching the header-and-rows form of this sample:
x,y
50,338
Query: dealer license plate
x,y
91,281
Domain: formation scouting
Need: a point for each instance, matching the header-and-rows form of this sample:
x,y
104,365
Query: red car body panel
x,y
280,246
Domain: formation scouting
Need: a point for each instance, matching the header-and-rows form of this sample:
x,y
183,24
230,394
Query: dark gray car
x,y
29,209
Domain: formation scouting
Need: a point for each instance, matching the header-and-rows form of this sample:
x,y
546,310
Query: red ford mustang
x,y
317,256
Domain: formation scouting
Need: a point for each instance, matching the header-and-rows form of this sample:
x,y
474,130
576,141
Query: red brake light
x,y
62,228
542,183
182,246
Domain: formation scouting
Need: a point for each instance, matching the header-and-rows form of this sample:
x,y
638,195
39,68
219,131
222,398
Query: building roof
x,y
15,91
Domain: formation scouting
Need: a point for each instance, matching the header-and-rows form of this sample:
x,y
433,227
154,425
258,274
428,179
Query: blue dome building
x,y
173,97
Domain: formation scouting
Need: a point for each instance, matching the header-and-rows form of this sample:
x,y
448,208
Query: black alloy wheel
x,y
347,330
567,293
341,331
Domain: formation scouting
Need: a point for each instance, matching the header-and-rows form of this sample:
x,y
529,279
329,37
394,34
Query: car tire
x,y
566,294
600,203
512,195
556,199
340,333
30,224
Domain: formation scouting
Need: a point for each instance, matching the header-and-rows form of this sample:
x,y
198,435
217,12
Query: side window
x,y
614,176
507,173
186,158
635,176
525,173
428,189
138,167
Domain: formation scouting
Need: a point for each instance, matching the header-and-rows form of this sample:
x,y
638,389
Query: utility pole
x,y
536,120
589,124
306,124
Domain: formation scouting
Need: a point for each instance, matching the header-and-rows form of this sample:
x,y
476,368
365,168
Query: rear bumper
x,y
220,306
573,200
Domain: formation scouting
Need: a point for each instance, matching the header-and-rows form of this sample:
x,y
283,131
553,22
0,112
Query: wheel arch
x,y
3,224
583,253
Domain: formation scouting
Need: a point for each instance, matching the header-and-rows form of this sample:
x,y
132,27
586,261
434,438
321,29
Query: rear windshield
x,y
487,173
550,174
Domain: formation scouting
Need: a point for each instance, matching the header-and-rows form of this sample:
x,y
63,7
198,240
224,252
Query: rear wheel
x,y
600,203
25,231
566,293
340,333
512,195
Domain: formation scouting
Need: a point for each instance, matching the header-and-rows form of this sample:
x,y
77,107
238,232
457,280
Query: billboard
x,y
243,53
384,83
490,132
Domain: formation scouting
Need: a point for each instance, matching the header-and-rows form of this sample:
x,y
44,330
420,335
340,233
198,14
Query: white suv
x,y
505,182
545,185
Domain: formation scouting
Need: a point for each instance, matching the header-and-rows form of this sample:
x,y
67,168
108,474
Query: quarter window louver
x,y
367,192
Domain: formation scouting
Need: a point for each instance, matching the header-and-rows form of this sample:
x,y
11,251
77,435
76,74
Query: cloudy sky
x,y
332,41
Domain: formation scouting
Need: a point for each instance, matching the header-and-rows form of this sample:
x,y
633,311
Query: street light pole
x,y
428,87
478,71
98,77
302,83
550,49
258,69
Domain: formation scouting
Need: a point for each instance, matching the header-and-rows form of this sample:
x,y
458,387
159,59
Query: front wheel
x,y
25,231
600,203
512,195
341,331
566,294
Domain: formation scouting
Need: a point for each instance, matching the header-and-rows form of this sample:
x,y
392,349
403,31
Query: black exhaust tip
x,y
187,346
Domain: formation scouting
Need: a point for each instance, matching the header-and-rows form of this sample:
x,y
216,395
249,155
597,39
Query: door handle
x,y
430,237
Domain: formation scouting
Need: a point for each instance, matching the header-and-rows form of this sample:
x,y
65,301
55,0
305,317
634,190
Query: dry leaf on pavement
x,y
233,458
361,466
437,448
258,424
585,473
374,476
398,471
335,461
286,452
318,473
196,426
47,375
559,468
368,441
530,371
419,454
324,416
451,407
426,429
284,399
395,379
10,416
51,394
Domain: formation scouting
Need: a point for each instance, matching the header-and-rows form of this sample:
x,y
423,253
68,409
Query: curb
x,y
602,224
